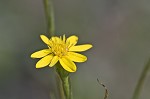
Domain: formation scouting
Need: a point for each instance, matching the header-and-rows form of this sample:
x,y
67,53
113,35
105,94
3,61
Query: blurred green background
x,y
118,29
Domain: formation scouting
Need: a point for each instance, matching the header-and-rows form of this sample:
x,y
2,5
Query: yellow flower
x,y
62,50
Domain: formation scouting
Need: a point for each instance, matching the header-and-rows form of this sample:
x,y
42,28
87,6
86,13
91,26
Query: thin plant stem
x,y
49,13
67,87
64,81
60,87
106,90
141,81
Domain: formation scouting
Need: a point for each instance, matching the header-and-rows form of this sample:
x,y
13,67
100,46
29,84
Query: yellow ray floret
x,y
62,50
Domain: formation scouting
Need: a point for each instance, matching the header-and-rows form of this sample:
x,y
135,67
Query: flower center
x,y
59,49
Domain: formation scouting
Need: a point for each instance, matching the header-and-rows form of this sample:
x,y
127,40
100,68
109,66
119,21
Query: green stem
x,y
60,87
65,82
63,79
67,87
141,81
49,13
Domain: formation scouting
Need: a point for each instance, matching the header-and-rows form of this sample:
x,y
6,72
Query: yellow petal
x,y
71,41
54,61
76,57
80,48
60,37
64,38
41,53
44,61
67,64
56,39
44,39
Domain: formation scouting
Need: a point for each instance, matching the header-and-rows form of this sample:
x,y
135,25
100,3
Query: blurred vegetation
x,y
119,31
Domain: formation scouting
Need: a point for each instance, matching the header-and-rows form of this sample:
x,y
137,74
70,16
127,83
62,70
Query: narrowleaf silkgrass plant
x,y
62,53
62,50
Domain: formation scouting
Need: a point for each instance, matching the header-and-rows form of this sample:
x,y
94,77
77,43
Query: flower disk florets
x,y
58,48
